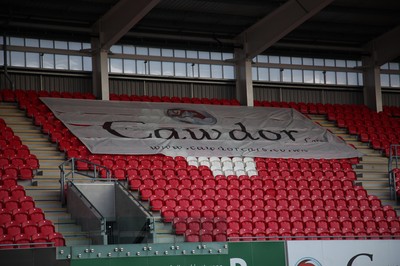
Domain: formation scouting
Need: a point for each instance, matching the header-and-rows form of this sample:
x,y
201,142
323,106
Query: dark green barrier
x,y
232,254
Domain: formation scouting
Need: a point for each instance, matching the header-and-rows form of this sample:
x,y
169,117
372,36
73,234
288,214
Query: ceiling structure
x,y
342,28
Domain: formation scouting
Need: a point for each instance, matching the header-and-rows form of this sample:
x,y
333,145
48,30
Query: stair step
x,y
47,153
375,184
76,239
70,229
372,167
7,116
368,152
48,183
24,132
53,206
374,159
389,202
163,228
59,217
368,174
383,194
44,194
347,138
34,138
40,147
169,239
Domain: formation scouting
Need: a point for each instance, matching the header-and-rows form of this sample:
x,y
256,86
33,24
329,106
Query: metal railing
x,y
70,173
46,244
151,219
88,216
393,163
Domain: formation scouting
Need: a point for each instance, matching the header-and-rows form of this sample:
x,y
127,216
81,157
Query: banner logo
x,y
308,262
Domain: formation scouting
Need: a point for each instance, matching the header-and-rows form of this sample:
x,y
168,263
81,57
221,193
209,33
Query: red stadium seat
x,y
36,214
39,241
30,228
46,227
6,242
180,225
219,235
22,239
192,236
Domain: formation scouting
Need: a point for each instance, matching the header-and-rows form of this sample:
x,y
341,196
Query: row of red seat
x,y
392,110
8,95
220,183
30,161
268,207
257,227
146,190
14,191
304,165
28,227
21,215
38,240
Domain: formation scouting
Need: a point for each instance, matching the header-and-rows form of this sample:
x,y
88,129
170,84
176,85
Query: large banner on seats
x,y
112,127
344,253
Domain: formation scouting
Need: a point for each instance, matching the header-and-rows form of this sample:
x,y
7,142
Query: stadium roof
x,y
343,26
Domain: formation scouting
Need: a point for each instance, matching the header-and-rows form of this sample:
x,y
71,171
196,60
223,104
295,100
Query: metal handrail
x,y
394,156
30,244
150,216
72,161
135,199
393,163
392,184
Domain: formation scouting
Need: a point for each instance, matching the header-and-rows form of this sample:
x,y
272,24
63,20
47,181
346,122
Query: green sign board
x,y
236,254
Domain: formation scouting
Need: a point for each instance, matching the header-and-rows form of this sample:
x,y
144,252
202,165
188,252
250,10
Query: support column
x,y
101,87
244,79
372,84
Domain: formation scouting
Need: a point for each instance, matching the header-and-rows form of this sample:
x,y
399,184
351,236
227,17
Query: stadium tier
x,y
210,199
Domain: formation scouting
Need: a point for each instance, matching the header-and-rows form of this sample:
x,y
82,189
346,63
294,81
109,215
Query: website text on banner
x,y
196,130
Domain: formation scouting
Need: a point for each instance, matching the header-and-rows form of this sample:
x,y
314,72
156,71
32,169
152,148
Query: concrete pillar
x,y
244,79
101,88
372,84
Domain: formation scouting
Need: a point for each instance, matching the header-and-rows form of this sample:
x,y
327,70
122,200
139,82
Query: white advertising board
x,y
344,253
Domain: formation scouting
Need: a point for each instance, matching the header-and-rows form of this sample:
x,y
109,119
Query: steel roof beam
x,y
120,19
386,47
278,24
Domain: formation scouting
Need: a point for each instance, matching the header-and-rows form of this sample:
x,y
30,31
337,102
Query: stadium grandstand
x,y
198,132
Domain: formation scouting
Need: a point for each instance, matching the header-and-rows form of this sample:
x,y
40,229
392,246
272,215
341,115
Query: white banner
x,y
111,127
344,253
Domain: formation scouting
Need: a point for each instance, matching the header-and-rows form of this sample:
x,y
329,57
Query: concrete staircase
x,y
372,171
45,187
